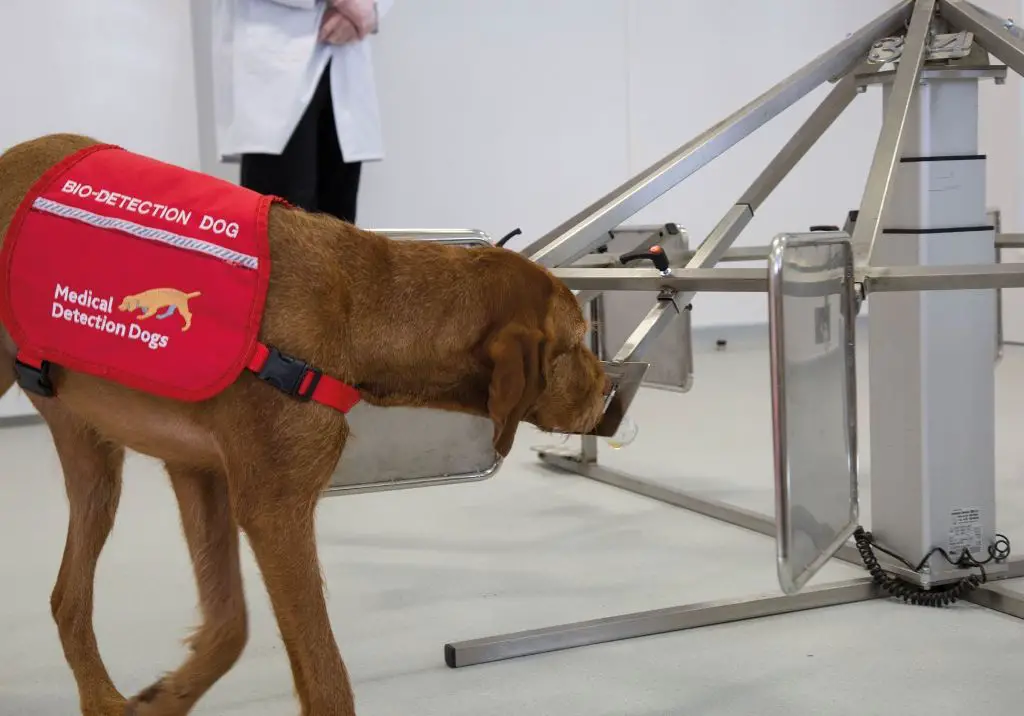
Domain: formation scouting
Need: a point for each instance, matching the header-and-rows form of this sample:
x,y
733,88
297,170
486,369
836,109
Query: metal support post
x,y
588,443
890,141
932,385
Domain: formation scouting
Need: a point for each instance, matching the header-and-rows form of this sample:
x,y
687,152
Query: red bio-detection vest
x,y
146,274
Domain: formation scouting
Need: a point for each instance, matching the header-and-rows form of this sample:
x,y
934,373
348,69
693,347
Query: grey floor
x,y
408,571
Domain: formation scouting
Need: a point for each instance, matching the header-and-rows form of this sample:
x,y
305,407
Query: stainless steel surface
x,y
598,344
814,403
585,297
746,253
755,280
738,516
743,280
890,141
715,509
404,482
1014,568
667,344
819,121
434,447
1009,241
20,421
943,278
995,217
579,234
626,378
461,237
1004,23
996,72
1006,46
598,329
657,621
398,448
1000,598
665,311
722,237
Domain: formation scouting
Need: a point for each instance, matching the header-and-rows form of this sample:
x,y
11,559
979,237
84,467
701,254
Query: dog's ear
x,y
518,354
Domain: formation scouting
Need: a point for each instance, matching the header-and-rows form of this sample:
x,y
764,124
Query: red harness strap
x,y
291,376
298,379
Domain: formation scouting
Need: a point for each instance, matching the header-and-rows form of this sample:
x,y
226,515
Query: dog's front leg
x,y
212,537
92,478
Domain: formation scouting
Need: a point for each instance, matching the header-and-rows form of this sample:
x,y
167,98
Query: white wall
x,y
118,70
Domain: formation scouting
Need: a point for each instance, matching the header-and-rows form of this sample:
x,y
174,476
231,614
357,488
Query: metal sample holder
x,y
930,269
439,447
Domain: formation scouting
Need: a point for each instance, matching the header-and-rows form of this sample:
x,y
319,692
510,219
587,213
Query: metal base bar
x,y
999,598
657,621
21,421
721,511
660,621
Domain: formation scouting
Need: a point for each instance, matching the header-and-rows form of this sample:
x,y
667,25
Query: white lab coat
x,y
266,65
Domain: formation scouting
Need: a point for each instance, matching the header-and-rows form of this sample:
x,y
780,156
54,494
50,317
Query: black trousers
x,y
311,172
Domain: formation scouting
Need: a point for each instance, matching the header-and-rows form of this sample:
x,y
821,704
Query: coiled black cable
x,y
942,596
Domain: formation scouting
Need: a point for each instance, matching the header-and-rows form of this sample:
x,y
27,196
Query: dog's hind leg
x,y
6,375
276,507
92,479
212,537
7,354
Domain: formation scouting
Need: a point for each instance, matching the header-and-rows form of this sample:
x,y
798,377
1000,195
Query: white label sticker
x,y
965,531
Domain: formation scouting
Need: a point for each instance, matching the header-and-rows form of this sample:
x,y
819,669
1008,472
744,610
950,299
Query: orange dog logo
x,y
152,301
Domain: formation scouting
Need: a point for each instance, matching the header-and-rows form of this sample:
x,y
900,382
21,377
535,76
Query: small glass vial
x,y
624,435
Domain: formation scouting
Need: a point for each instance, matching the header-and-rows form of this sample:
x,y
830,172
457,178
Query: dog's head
x,y
543,372
129,303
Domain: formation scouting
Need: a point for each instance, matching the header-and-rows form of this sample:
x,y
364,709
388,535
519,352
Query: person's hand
x,y
337,29
361,13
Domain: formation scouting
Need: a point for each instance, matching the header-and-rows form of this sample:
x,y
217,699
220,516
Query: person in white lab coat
x,y
295,97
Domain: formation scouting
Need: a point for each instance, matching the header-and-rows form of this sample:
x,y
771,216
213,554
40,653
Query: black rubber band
x,y
952,230
944,158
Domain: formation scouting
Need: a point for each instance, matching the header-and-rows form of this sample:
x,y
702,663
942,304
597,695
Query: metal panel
x,y
814,401
400,448
670,354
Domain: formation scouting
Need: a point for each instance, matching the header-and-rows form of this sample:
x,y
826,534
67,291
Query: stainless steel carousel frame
x,y
934,271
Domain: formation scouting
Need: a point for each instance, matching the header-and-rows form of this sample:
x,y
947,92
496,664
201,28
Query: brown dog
x,y
409,323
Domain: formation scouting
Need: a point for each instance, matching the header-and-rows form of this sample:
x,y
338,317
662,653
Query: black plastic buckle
x,y
287,374
34,380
